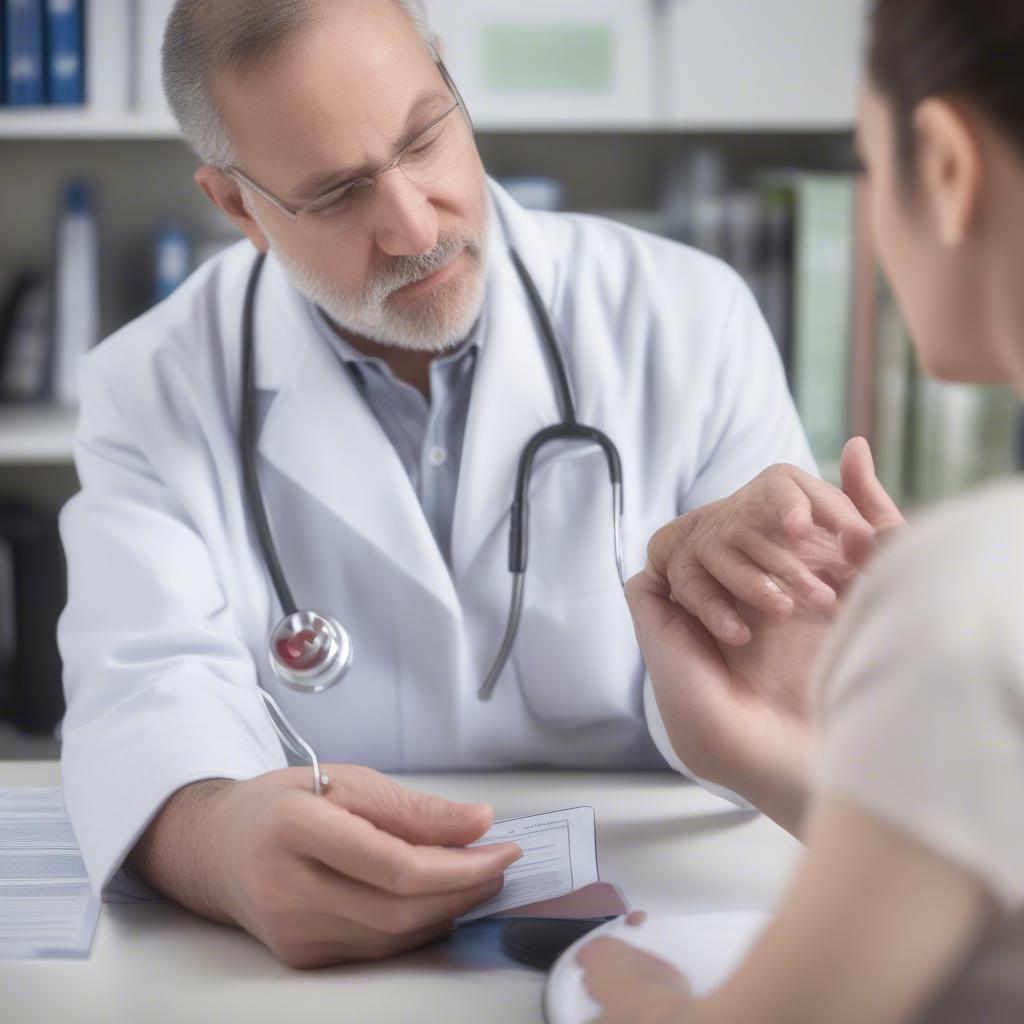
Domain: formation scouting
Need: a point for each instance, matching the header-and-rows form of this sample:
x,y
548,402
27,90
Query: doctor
x,y
399,372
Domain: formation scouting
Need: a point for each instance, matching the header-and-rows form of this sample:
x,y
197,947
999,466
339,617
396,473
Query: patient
x,y
909,904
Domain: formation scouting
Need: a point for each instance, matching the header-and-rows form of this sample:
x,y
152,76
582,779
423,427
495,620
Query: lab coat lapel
x,y
322,435
513,393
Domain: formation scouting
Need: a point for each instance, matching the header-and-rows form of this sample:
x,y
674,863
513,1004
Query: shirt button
x,y
438,457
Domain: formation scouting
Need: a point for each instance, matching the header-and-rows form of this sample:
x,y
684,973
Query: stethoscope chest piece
x,y
310,652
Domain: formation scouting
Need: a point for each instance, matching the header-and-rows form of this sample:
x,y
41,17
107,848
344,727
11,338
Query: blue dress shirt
x,y
427,436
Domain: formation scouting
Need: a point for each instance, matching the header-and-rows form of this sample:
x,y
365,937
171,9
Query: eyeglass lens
x,y
427,159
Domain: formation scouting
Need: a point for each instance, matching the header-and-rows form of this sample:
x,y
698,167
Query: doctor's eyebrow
x,y
321,183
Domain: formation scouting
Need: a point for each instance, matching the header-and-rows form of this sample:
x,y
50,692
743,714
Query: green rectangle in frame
x,y
548,58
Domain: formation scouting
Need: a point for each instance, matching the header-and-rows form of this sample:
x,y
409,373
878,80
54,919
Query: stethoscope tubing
x,y
567,430
247,445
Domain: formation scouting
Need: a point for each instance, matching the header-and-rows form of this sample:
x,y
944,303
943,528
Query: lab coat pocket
x,y
577,659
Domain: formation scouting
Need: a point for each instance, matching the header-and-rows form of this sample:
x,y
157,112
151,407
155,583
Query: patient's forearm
x,y
175,855
869,904
774,774
784,800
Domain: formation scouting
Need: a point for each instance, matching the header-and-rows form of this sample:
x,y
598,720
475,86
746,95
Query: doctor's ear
x,y
224,192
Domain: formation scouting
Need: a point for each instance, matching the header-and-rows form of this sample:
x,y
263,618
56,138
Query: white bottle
x,y
76,314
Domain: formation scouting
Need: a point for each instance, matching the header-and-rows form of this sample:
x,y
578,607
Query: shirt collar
x,y
354,359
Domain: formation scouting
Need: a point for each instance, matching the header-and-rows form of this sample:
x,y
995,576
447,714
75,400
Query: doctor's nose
x,y
406,223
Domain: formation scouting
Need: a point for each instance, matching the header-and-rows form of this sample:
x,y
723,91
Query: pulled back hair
x,y
967,49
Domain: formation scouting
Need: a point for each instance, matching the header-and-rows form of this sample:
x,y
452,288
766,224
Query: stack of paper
x,y
47,907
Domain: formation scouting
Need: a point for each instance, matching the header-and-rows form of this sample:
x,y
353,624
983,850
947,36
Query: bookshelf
x,y
680,75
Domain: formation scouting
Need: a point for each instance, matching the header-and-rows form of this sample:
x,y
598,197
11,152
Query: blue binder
x,y
64,59
23,64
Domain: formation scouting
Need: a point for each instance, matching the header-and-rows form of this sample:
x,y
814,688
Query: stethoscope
x,y
310,651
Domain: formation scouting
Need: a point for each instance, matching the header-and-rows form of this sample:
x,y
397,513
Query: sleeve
x,y
920,695
659,734
753,422
160,689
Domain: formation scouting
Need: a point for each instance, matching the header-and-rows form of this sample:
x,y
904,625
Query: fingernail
x,y
773,586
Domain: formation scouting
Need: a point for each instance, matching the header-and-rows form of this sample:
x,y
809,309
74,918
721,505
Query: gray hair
x,y
204,36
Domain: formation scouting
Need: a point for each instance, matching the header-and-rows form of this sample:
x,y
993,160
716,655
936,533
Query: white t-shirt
x,y
920,700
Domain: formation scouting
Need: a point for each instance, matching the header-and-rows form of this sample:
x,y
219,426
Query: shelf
x,y
36,434
40,123
69,125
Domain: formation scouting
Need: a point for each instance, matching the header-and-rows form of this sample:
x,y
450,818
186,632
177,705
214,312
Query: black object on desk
x,y
32,602
539,942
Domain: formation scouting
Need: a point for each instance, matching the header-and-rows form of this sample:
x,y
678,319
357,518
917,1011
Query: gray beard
x,y
441,323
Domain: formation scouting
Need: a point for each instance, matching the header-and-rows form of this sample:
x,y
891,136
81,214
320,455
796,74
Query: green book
x,y
823,300
894,381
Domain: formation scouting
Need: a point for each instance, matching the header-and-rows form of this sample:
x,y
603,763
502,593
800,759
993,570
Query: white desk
x,y
666,843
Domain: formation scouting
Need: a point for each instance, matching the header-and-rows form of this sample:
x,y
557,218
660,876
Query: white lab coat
x,y
170,605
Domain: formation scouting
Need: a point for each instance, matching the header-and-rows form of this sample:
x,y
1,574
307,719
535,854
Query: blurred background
x,y
727,124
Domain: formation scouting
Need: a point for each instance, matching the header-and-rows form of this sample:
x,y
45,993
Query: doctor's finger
x,y
420,818
833,509
356,848
774,564
745,581
790,505
699,593
384,913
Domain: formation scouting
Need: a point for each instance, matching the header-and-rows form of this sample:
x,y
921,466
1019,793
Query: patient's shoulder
x,y
944,595
975,540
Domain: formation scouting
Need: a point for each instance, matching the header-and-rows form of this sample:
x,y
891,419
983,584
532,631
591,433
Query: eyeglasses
x,y
432,153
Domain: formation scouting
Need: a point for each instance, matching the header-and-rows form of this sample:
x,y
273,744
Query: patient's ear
x,y
949,169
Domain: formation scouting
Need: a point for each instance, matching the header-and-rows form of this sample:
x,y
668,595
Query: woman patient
x,y
909,904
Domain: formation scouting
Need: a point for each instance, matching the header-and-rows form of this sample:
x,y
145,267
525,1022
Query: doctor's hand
x,y
368,870
784,542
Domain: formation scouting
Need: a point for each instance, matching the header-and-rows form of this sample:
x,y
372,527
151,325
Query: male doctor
x,y
399,371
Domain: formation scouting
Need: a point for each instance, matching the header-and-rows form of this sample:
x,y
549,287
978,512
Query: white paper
x,y
559,857
47,907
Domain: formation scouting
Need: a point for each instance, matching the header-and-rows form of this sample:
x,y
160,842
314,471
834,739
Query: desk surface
x,y
669,845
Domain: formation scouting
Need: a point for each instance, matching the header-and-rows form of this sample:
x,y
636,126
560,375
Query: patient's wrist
x,y
776,783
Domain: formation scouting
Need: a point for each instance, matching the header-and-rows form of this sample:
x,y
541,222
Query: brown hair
x,y
972,49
